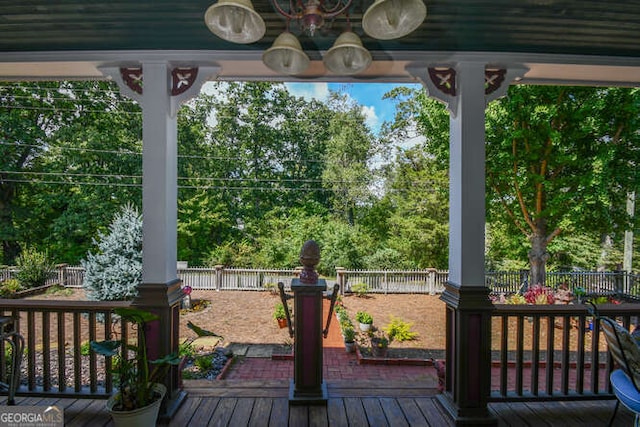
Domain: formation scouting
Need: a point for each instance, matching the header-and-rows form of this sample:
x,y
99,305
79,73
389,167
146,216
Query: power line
x,y
73,110
66,174
204,187
138,153
239,179
88,150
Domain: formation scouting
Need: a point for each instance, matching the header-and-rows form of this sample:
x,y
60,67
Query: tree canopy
x,y
260,171
560,161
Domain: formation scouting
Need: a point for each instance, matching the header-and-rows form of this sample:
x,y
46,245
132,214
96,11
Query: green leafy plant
x,y
272,288
346,322
279,312
399,330
186,349
58,290
516,299
379,338
34,268
360,289
9,287
85,348
203,363
349,334
135,380
364,317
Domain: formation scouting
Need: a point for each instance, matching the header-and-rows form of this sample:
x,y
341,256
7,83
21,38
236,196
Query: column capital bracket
x,y
184,81
441,81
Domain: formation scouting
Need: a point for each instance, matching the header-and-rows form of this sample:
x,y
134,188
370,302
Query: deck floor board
x,y
239,404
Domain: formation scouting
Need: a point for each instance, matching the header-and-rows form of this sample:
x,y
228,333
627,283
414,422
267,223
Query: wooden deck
x,y
352,403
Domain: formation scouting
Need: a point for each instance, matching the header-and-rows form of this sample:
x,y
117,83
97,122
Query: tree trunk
x,y
538,257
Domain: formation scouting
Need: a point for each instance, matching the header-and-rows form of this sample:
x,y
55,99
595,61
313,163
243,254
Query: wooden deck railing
x,y
539,352
55,333
552,352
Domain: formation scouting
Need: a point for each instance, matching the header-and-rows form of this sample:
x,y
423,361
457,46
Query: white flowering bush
x,y
114,271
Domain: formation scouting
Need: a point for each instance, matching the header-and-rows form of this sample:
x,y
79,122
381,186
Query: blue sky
x,y
368,95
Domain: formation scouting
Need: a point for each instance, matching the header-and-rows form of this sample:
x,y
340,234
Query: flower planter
x,y
379,351
350,347
282,323
364,327
379,347
145,416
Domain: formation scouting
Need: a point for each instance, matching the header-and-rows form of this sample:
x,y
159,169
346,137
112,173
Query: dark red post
x,y
308,386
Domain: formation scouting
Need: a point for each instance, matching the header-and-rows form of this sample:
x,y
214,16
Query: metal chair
x,y
626,379
9,334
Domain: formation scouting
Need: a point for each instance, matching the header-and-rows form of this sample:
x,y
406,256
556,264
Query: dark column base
x,y
468,416
468,355
163,335
317,397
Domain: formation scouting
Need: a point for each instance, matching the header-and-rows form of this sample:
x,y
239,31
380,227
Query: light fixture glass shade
x,y
347,56
235,21
286,55
392,19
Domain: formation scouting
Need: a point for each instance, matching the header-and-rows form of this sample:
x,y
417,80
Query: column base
x,y
316,397
171,406
466,416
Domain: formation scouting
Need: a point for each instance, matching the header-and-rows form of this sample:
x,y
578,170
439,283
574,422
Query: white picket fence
x,y
428,281
223,278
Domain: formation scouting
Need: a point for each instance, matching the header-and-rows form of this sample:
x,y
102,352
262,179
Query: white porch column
x,y
466,88
160,176
468,360
467,178
160,87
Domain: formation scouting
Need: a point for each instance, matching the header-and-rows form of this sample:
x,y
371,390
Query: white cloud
x,y
309,91
371,118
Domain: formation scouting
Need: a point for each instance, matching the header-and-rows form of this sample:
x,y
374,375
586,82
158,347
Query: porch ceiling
x,y
74,36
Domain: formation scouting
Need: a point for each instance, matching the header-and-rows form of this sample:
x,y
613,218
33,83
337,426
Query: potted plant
x,y
349,339
379,343
139,391
280,315
365,320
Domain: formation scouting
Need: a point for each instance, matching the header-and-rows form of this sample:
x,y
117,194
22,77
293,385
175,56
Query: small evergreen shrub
x,y
114,272
399,330
34,268
360,289
9,287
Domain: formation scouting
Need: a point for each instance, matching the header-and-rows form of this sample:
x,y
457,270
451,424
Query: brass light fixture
x,y
238,22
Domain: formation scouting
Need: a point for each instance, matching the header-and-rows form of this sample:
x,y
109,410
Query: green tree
x,y
270,145
561,159
27,118
81,145
418,192
349,150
